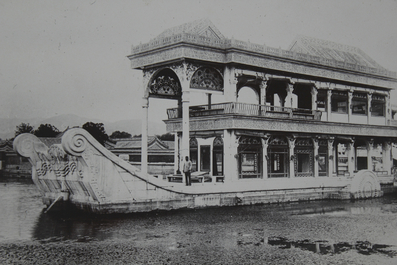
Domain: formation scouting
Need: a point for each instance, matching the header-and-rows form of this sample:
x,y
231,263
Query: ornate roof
x,y
203,27
332,51
306,55
135,143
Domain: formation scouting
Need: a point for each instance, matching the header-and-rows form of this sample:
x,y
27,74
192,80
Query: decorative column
x,y
230,146
265,156
329,111
230,82
386,156
370,147
288,98
350,157
315,146
291,141
263,86
331,158
185,124
349,105
177,169
369,99
144,138
388,109
314,93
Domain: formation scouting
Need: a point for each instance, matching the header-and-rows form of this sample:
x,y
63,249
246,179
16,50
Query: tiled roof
x,y
332,51
202,27
135,143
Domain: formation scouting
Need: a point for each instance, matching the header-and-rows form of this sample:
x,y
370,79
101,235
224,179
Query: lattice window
x,y
359,103
250,153
339,101
322,159
217,163
193,146
278,154
207,78
304,158
165,84
378,104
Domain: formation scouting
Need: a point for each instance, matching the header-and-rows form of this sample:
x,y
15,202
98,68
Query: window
x,y
304,158
278,157
193,153
339,101
250,153
361,155
359,103
217,165
341,159
322,158
378,105
377,158
205,158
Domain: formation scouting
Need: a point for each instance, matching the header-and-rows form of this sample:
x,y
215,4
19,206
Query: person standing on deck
x,y
187,168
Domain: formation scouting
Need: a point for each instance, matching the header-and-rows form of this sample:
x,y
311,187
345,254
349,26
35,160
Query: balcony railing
x,y
247,110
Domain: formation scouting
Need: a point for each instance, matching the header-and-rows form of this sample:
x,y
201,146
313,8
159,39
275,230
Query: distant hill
x,y
62,122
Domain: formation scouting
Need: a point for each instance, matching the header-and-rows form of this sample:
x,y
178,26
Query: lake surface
x,y
361,228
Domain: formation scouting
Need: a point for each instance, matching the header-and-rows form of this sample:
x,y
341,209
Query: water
x,y
363,228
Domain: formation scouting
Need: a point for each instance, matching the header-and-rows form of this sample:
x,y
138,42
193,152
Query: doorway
x,y
205,158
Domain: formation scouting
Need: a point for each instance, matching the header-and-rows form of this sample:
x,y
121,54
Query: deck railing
x,y
247,110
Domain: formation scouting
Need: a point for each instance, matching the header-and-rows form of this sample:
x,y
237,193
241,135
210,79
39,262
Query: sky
x,y
70,57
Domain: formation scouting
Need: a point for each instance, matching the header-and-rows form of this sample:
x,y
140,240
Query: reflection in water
x,y
50,228
353,225
325,247
20,205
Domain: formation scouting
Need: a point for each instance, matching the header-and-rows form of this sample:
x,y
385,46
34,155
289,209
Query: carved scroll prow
x,y
28,145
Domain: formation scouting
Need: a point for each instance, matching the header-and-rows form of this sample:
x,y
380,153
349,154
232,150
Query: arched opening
x,y
304,157
217,155
248,95
278,154
276,92
165,84
304,96
207,78
249,155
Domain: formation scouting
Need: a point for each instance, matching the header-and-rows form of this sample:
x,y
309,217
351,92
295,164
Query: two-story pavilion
x,y
249,112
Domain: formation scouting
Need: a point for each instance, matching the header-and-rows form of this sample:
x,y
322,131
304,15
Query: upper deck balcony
x,y
246,109
235,115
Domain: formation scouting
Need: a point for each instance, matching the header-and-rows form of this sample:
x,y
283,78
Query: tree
x,y
166,137
46,130
118,134
23,128
97,130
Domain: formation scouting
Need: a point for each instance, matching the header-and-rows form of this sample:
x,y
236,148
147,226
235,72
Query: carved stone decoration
x,y
193,142
304,142
278,141
365,184
165,84
218,142
190,69
207,78
249,140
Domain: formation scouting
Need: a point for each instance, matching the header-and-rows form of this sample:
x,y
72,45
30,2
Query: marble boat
x,y
266,125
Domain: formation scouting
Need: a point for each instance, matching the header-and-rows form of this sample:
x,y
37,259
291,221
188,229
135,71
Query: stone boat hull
x,y
81,172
